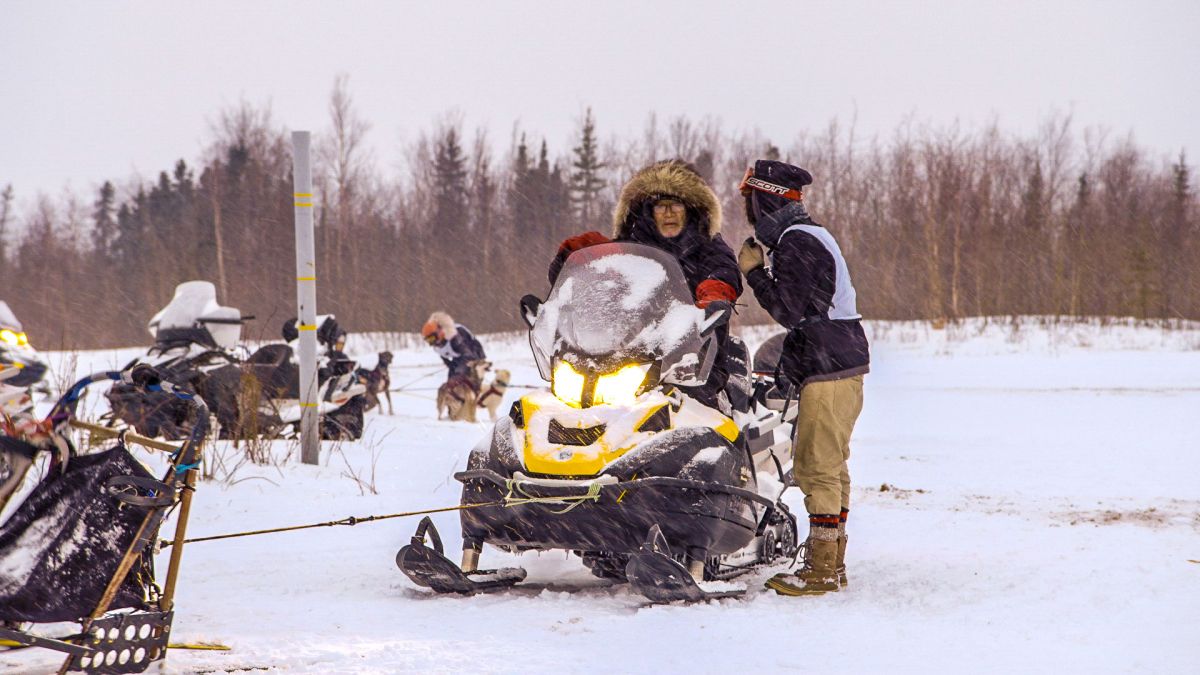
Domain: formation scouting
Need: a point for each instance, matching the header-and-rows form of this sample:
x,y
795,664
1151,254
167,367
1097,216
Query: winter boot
x,y
818,575
843,580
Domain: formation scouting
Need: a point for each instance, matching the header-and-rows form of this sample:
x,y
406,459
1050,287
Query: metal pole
x,y
306,297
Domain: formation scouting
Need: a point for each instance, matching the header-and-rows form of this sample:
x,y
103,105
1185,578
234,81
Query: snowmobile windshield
x,y
8,319
618,304
193,311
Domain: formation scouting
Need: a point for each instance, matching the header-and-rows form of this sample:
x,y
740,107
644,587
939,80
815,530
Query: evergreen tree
x,y
104,231
6,200
522,194
450,185
586,181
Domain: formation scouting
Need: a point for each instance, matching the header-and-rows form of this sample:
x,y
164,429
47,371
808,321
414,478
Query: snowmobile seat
x,y
272,365
766,359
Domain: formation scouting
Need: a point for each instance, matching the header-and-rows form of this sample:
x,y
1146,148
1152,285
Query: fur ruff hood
x,y
670,178
444,322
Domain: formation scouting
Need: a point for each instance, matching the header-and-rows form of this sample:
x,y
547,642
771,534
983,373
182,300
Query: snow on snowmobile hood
x,y
195,306
621,303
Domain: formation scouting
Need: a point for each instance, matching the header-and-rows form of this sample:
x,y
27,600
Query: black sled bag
x,y
62,545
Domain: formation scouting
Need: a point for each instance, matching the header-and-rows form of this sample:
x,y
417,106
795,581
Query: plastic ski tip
x,y
426,567
663,580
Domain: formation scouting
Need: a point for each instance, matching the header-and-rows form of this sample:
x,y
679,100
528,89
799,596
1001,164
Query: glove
x,y
750,257
584,240
714,290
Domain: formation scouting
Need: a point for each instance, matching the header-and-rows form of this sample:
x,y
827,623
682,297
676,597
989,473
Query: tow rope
x,y
352,520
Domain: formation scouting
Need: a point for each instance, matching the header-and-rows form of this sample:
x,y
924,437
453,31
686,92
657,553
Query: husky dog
x,y
493,392
459,396
378,382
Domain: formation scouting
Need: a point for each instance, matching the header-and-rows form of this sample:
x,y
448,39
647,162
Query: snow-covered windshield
x,y
618,303
8,319
195,306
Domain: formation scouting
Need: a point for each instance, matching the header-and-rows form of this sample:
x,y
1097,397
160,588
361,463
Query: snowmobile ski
x,y
655,574
429,567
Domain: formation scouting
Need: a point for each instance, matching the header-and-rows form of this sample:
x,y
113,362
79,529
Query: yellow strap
x,y
211,646
303,206
310,405
302,194
306,278
308,326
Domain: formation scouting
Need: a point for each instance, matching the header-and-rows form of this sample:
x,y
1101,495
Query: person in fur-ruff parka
x,y
692,234
453,343
669,206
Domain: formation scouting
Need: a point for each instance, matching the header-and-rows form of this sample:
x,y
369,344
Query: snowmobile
x,y
79,545
22,371
615,463
251,395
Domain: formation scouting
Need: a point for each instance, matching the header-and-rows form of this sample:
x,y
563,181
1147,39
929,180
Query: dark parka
x,y
700,250
808,291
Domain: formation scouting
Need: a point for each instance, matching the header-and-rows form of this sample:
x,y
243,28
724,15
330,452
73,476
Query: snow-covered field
x,y
1026,499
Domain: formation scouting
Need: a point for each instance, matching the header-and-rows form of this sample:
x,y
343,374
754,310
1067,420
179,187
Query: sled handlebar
x,y
148,379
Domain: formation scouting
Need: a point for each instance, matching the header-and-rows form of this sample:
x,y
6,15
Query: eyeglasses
x,y
430,339
668,205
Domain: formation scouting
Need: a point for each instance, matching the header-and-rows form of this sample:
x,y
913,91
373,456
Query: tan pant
x,y
828,411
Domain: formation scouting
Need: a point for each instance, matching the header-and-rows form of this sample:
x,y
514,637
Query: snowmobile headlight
x,y
567,384
10,337
23,339
622,386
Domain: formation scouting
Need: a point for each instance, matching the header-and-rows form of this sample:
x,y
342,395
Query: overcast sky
x,y
103,90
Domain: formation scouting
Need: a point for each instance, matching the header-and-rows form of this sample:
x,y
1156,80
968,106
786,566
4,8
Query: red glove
x,y
711,290
572,244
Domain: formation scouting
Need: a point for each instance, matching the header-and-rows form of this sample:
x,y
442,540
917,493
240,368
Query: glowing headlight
x,y
621,387
567,384
10,337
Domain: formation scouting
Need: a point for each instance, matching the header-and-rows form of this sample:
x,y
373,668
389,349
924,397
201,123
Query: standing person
x,y
808,291
669,206
454,344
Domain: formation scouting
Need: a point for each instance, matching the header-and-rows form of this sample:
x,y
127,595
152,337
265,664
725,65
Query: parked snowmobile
x,y
22,370
615,463
196,344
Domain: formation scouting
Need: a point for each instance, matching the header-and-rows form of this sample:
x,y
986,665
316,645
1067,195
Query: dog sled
x,y
79,545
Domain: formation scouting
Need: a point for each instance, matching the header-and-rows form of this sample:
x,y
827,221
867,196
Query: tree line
x,y
936,223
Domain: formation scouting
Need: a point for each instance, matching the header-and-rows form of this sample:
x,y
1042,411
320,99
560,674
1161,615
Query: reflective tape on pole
x,y
306,297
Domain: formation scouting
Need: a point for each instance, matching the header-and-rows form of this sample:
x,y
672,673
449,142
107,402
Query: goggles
x,y
750,182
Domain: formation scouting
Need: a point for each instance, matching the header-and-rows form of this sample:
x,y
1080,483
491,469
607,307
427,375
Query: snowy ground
x,y
1025,500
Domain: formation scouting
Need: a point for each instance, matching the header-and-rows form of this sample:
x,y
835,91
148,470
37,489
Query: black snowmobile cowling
x,y
614,452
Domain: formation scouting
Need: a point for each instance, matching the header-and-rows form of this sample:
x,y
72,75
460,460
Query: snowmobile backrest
x,y
195,306
225,325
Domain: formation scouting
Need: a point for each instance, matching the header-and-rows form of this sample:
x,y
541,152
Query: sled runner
x,y
80,544
616,463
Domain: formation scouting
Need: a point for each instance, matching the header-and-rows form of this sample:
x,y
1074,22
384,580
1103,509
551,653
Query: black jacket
x,y
459,351
808,291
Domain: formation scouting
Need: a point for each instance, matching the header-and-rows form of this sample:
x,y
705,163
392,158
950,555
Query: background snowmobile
x,y
615,463
80,544
196,344
22,371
